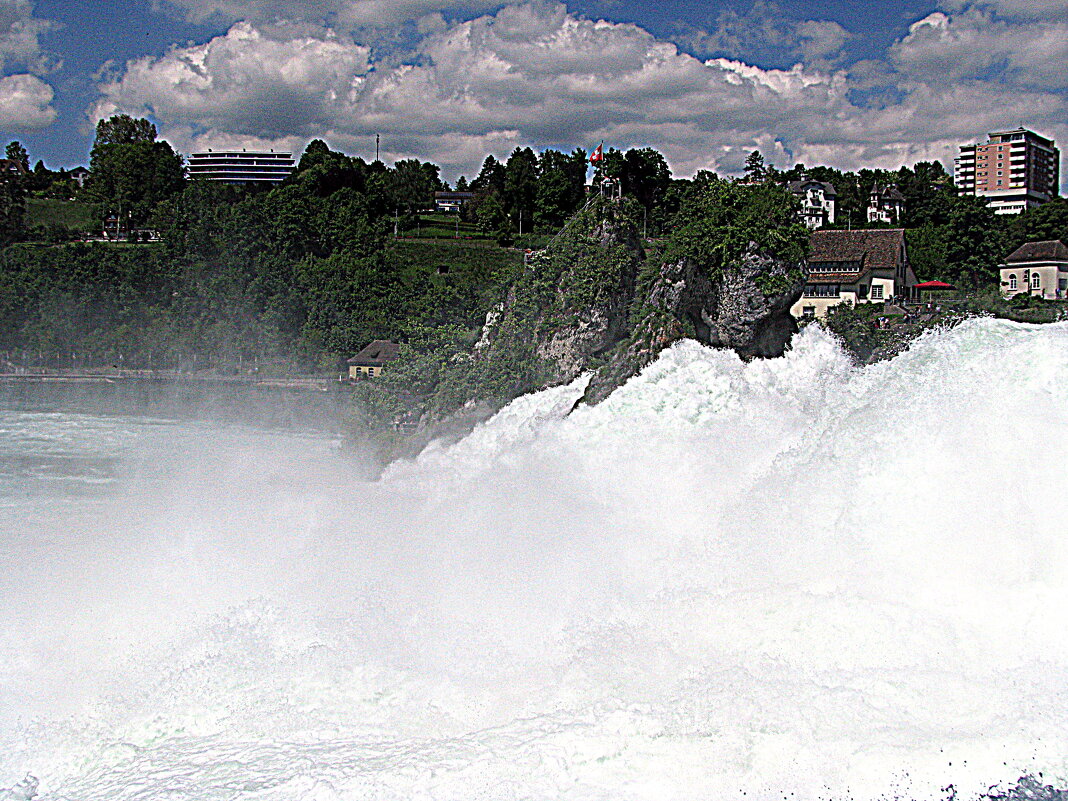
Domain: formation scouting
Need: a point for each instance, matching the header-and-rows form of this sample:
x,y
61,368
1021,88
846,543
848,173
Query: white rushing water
x,y
783,579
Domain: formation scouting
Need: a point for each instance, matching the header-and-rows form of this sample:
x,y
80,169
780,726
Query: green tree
x,y
315,153
131,172
719,222
611,166
490,215
646,178
123,129
324,171
973,246
1048,221
521,187
755,168
561,187
929,194
490,178
928,247
16,152
12,209
413,184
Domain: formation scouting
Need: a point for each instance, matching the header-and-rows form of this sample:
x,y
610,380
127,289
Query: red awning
x,y
934,285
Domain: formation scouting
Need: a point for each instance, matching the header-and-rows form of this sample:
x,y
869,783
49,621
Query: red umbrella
x,y
934,285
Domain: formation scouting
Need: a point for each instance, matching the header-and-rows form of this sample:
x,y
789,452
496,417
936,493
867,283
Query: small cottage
x,y
370,361
1037,268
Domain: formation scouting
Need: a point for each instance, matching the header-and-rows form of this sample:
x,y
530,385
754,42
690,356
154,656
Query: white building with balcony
x,y
1015,170
241,166
817,201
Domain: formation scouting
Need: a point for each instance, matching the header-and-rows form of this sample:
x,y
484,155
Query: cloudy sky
x,y
846,84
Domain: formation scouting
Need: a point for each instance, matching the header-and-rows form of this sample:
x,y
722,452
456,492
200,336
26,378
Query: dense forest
x,y
299,276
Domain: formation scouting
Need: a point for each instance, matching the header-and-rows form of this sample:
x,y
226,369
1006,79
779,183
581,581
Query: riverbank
x,y
311,402
114,374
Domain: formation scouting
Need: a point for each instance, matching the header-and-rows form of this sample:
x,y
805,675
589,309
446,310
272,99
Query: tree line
x,y
306,271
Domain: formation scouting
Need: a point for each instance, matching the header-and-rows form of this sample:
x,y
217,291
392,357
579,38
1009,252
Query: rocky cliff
x,y
746,308
594,300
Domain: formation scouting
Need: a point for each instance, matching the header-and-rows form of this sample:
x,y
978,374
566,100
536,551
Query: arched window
x,y
1036,281
1012,282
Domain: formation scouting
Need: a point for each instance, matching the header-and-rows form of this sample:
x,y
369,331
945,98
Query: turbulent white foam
x,y
787,576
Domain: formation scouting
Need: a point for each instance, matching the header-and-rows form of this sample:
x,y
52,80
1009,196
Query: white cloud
x,y
1016,9
25,100
560,80
822,40
340,14
535,74
25,103
974,44
19,32
767,27
251,81
736,33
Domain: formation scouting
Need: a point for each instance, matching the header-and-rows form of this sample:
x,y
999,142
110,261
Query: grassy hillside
x,y
44,215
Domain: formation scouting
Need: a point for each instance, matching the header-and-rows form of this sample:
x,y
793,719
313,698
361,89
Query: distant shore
x,y
115,375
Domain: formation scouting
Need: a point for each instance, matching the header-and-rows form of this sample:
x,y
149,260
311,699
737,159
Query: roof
x,y
378,352
833,278
1050,250
12,165
799,186
888,191
877,249
998,136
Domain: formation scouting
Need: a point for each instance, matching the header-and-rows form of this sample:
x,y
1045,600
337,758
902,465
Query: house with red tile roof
x,y
863,266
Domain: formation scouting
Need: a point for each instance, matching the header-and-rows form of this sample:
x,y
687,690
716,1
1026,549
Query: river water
x,y
783,579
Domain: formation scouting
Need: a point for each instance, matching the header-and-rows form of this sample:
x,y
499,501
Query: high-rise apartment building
x,y
1015,170
240,166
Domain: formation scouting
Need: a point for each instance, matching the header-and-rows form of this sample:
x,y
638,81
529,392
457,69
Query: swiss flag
x,y
598,154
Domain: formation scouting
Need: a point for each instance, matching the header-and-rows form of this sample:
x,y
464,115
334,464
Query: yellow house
x,y
369,362
1037,268
862,266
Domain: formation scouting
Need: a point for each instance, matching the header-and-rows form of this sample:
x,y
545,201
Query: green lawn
x,y
438,225
474,262
71,214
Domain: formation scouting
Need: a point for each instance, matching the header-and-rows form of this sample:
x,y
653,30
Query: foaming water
x,y
775,578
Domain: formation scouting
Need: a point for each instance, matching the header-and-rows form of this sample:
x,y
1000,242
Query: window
x,y
1036,281
876,291
1012,282
808,312
1062,284
821,290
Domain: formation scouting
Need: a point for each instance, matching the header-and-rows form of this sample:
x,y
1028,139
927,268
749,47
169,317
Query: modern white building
x,y
1015,170
241,166
451,201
